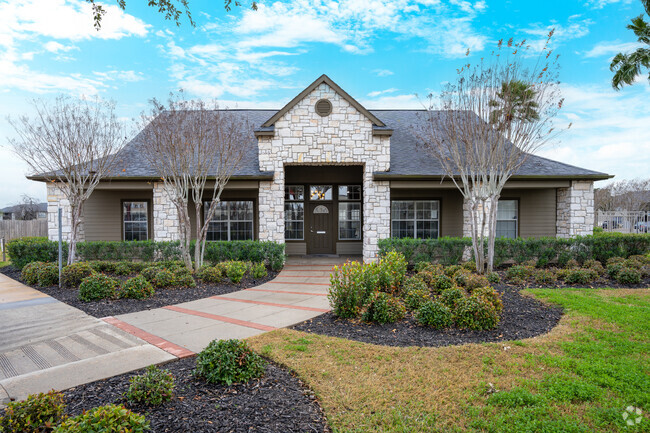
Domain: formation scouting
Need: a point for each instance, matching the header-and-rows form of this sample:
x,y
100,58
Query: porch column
x,y
467,220
56,199
271,208
165,217
575,209
376,215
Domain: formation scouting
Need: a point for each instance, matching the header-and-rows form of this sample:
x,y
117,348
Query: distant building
x,y
25,212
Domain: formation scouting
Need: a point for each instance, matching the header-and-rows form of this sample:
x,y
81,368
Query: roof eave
x,y
266,175
391,176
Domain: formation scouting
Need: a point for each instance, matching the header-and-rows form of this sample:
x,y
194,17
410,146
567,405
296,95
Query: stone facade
x,y
165,216
56,199
575,209
345,137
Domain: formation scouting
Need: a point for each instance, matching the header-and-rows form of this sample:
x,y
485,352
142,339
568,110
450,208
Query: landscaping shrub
x,y
258,270
163,278
450,271
150,272
428,267
594,265
474,281
578,276
136,288
152,388
493,278
451,296
460,277
27,250
32,249
571,264
123,268
349,289
235,270
383,307
544,276
48,274
390,271
518,274
106,419
627,275
470,266
229,361
103,265
449,251
184,280
38,413
210,274
475,312
434,314
98,286
29,273
415,294
440,283
72,275
490,295
427,277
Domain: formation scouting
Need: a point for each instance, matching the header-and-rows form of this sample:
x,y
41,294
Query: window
x,y
507,219
294,212
415,219
135,219
320,192
350,192
349,221
232,221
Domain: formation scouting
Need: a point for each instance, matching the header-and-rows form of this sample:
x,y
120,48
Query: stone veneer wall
x,y
56,199
302,137
165,216
575,209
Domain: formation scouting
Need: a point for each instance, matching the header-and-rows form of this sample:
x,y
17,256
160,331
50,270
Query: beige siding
x,y
536,211
103,213
349,248
295,248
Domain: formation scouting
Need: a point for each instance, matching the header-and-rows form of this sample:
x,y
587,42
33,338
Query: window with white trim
x,y
417,219
294,212
507,219
135,220
232,221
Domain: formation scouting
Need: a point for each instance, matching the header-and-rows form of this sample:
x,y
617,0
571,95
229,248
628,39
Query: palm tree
x,y
516,101
627,67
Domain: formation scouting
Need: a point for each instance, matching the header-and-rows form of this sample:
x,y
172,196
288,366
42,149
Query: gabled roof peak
x,y
320,80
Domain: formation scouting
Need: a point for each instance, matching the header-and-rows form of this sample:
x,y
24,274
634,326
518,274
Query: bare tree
x,y
72,143
627,195
484,126
194,148
27,209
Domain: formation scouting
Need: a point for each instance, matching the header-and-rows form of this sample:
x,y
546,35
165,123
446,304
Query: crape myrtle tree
x,y
73,143
194,147
484,125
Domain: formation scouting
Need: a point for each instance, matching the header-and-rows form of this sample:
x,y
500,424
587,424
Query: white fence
x,y
624,221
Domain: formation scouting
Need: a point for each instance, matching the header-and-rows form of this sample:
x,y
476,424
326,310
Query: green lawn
x,y
578,378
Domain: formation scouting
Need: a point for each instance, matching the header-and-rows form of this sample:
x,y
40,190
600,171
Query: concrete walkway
x,y
46,344
298,293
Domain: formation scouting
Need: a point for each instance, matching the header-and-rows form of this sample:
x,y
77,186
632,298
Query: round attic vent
x,y
323,107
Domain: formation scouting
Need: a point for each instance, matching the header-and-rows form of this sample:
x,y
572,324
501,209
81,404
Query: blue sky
x,y
381,52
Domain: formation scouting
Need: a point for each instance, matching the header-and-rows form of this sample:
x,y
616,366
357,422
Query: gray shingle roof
x,y
406,158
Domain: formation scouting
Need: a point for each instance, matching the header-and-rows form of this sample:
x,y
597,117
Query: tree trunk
x,y
198,253
185,229
75,219
492,223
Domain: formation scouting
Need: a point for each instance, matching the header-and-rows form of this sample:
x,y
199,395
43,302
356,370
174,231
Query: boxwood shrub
x,y
136,288
108,418
29,273
434,314
383,307
72,275
475,312
48,274
229,361
155,386
98,286
38,413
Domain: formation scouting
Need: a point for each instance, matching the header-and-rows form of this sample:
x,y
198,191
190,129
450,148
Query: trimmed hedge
x,y
26,250
449,251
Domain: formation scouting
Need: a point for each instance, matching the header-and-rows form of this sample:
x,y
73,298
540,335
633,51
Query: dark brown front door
x,y
320,238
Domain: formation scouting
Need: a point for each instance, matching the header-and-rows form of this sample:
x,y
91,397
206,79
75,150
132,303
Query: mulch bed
x,y
522,317
277,402
162,298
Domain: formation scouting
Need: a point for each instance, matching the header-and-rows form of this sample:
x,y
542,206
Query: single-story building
x,y
24,212
325,175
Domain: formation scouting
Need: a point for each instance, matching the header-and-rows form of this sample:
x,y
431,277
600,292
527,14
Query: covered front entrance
x,y
323,210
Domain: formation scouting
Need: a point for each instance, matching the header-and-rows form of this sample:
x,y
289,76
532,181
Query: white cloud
x,y
609,131
383,72
612,48
35,20
599,4
392,102
381,92
115,75
55,47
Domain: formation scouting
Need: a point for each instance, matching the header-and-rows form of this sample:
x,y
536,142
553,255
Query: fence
x,y
12,229
624,221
